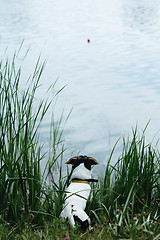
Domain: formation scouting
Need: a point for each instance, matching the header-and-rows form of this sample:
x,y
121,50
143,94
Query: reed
x,y
137,168
128,197
21,182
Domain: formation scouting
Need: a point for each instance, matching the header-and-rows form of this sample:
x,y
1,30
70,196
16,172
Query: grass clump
x,y
21,180
138,167
129,194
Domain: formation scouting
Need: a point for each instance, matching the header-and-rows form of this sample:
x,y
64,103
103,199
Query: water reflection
x,y
142,15
112,81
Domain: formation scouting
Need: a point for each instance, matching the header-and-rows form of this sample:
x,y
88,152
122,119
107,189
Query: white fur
x,y
74,204
81,172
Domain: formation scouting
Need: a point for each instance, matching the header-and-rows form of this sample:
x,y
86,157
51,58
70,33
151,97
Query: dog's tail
x,y
83,219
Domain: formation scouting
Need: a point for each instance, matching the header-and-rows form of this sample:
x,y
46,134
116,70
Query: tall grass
x,y
137,168
130,188
21,183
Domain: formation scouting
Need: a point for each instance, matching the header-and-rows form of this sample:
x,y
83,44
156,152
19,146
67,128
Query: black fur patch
x,y
83,159
84,225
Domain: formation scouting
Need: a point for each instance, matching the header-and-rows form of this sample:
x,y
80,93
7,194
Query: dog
x,y
78,192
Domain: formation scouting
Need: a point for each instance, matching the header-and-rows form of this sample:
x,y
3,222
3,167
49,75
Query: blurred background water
x,y
112,83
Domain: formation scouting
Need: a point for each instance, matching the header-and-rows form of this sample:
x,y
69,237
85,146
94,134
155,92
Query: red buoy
x,y
88,40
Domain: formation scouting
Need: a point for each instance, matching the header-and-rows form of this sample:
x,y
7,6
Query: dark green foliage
x,y
137,166
20,153
130,189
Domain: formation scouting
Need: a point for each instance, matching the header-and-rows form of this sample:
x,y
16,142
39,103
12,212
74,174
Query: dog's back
x,y
75,203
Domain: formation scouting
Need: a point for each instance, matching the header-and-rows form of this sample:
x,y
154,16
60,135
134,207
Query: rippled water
x,y
113,82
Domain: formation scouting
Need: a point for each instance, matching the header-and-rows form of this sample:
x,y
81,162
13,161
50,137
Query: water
x,y
113,82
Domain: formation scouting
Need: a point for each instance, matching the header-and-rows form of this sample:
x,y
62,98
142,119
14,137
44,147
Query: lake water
x,y
112,83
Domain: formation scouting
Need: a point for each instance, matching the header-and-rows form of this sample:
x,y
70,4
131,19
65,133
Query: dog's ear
x,y
72,160
93,161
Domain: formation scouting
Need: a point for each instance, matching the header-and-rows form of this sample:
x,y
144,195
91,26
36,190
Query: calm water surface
x,y
113,82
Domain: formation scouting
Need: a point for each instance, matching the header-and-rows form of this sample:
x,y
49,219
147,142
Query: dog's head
x,y
88,161
81,166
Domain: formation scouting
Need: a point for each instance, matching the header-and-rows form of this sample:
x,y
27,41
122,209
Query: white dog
x,y
78,191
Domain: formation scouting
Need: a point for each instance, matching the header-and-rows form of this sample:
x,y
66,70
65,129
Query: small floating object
x,y
88,40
